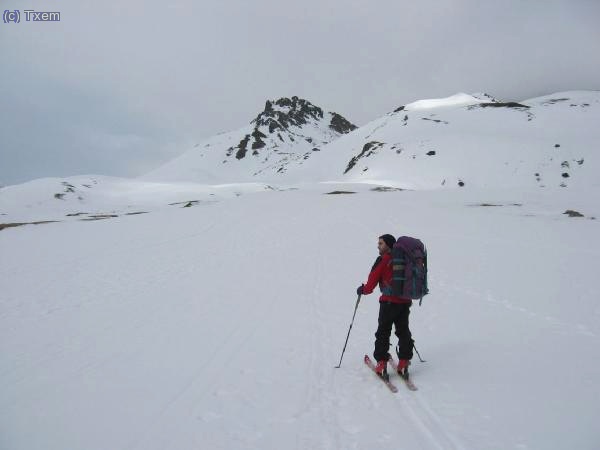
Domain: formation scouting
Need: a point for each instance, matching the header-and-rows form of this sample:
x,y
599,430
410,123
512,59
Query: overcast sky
x,y
120,87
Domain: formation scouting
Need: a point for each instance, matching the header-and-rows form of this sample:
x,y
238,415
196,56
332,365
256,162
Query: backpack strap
x,y
377,261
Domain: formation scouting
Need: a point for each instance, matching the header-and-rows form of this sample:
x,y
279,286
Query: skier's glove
x,y
360,289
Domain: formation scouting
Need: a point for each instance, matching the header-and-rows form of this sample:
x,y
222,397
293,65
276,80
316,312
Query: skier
x,y
392,311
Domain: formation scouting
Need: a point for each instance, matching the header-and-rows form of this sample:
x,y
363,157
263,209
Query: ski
x,y
387,381
407,381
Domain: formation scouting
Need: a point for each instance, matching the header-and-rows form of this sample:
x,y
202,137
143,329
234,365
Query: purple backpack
x,y
409,268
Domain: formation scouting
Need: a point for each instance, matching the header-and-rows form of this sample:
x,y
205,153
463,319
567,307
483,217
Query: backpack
x,y
409,269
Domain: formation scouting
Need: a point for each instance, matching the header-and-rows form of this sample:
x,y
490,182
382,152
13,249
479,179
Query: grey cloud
x,y
119,87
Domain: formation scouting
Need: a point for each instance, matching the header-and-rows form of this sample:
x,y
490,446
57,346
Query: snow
x,y
431,144
218,326
484,147
214,161
460,99
97,194
215,318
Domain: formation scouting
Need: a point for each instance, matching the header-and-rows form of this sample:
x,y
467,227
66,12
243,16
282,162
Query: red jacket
x,y
381,274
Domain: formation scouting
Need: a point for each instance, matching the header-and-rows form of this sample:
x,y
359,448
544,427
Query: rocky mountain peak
x,y
285,112
278,117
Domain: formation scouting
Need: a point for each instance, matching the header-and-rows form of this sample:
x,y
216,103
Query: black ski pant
x,y
393,314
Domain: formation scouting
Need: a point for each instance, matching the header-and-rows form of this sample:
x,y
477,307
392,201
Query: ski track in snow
x,y
316,408
193,392
560,325
318,395
430,424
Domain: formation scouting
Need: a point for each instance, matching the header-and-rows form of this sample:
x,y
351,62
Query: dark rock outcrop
x,y
340,124
277,117
368,149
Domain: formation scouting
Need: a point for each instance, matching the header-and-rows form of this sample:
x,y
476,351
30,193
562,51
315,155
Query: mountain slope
x,y
473,141
462,140
285,134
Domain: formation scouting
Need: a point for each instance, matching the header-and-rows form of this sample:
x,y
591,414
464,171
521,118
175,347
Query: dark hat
x,y
388,239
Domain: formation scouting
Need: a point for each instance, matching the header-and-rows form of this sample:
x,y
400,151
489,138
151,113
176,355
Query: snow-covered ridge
x,y
473,140
458,141
93,197
460,99
286,133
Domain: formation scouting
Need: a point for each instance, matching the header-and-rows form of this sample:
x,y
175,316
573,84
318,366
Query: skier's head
x,y
385,243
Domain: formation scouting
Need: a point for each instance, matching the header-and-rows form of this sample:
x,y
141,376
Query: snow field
x,y
218,326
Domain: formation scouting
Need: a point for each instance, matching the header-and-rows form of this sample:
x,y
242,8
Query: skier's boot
x,y
381,368
403,367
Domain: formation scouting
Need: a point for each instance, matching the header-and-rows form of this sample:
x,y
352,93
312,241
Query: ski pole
x,y
420,359
351,323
